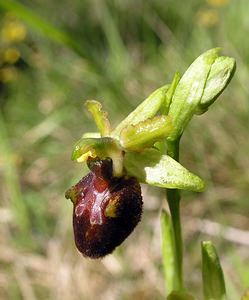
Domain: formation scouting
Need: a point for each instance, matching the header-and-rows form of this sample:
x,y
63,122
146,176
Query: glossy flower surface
x,y
106,209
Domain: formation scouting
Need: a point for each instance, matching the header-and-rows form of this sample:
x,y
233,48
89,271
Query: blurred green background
x,y
56,54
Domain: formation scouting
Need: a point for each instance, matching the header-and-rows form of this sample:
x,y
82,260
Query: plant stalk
x,y
173,198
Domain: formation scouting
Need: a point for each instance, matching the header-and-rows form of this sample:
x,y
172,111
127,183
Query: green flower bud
x,y
200,85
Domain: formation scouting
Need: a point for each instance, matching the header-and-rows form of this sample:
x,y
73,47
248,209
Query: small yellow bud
x,y
8,74
11,55
12,32
207,17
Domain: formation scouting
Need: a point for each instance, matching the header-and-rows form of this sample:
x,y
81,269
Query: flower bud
x,y
199,87
106,209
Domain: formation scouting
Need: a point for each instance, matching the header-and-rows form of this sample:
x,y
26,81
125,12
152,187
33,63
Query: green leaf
x,y
151,167
219,77
175,295
169,94
168,250
145,133
212,275
147,109
100,117
189,91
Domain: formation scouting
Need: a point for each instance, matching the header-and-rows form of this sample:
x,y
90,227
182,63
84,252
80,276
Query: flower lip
x,y
106,209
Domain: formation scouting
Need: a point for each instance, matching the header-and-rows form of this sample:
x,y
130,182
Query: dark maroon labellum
x,y
106,209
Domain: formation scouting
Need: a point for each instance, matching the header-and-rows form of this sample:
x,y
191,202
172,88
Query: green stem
x,y
173,149
173,198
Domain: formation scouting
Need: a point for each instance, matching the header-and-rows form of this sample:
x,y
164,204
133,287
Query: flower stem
x,y
173,198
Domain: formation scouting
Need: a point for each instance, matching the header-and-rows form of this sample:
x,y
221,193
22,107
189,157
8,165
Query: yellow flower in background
x,y
8,74
207,17
246,295
11,55
218,3
12,31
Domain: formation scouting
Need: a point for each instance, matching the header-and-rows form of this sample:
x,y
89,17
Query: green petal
x,y
145,133
100,117
151,167
212,275
147,109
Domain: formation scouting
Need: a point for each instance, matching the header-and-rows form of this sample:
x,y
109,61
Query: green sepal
x,y
189,91
212,274
220,75
147,109
145,133
153,168
175,295
100,117
168,250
